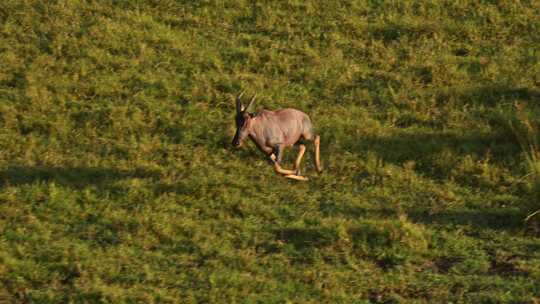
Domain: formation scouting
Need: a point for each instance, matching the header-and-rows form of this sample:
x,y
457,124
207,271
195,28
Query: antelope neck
x,y
254,124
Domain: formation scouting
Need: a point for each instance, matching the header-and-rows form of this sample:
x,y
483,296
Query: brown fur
x,y
273,131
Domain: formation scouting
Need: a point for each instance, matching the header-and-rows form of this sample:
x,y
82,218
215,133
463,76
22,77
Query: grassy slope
x,y
117,181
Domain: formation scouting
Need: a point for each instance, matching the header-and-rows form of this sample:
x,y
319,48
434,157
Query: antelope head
x,y
243,120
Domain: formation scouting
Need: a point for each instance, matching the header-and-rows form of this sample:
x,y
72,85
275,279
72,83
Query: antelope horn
x,y
239,106
250,102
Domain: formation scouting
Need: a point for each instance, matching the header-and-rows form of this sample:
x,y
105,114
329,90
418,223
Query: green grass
x,y
118,182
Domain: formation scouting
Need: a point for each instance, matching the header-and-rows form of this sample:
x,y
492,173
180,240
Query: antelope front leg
x,y
276,158
287,173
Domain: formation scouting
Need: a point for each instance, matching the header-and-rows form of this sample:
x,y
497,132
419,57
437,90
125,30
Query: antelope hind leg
x,y
317,142
301,151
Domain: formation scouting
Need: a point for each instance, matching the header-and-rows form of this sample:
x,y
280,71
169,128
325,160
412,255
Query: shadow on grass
x,y
403,146
306,238
489,94
396,31
343,209
510,219
77,177
426,148
302,243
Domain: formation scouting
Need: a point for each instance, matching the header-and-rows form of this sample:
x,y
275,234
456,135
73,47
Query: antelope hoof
x,y
297,177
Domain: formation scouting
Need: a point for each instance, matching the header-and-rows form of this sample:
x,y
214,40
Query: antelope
x,y
273,131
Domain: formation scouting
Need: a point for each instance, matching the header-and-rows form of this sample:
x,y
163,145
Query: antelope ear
x,y
239,106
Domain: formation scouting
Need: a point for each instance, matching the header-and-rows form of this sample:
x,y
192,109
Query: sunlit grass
x,y
118,182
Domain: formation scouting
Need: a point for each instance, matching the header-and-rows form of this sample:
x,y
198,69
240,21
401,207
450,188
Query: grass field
x,y
118,182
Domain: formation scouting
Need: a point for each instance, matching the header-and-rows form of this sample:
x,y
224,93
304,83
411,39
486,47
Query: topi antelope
x,y
273,131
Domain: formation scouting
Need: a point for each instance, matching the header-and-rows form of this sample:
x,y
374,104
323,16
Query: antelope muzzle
x,y
236,141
